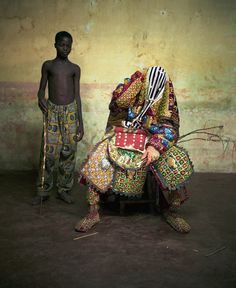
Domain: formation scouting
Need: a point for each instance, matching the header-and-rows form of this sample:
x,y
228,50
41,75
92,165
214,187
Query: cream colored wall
x,y
193,39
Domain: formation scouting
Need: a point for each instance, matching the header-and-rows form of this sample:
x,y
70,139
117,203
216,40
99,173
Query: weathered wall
x,y
193,39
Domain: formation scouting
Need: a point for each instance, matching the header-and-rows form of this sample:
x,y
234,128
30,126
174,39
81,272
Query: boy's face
x,y
63,47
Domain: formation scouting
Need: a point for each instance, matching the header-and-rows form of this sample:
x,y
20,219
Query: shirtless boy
x,y
64,124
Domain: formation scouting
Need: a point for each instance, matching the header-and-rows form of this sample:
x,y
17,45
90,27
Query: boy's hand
x,y
150,155
43,105
79,134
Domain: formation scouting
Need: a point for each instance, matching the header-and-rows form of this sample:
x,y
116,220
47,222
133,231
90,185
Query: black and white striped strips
x,y
156,80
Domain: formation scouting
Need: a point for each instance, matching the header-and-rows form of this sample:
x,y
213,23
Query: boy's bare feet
x,y
64,196
87,222
177,222
37,200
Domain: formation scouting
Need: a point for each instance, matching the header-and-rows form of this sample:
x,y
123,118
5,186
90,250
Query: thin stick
x,y
216,251
44,160
85,236
41,205
201,129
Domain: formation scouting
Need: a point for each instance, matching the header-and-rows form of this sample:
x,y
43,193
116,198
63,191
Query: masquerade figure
x,y
141,133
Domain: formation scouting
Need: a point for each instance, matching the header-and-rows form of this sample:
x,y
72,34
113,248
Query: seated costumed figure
x,y
141,133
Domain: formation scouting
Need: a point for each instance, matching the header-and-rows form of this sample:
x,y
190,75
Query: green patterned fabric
x,y
173,168
129,183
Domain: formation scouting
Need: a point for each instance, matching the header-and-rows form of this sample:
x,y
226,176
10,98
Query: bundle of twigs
x,y
204,135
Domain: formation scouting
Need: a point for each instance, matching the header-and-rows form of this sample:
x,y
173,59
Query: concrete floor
x,y
139,250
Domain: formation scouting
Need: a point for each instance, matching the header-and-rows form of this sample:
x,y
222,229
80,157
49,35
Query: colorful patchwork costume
x,y
143,112
62,123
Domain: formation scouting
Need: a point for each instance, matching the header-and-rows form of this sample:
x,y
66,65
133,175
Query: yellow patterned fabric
x,y
87,223
97,169
128,97
177,222
62,122
163,105
92,197
103,174
167,108
125,94
160,121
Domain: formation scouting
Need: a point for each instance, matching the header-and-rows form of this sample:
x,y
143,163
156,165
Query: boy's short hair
x,y
62,34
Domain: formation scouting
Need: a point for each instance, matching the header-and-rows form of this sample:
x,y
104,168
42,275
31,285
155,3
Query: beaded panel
x,y
173,168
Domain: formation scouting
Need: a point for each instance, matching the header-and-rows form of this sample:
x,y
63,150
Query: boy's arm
x,y
80,129
42,86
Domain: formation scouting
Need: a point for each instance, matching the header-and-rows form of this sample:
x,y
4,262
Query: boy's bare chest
x,y
61,70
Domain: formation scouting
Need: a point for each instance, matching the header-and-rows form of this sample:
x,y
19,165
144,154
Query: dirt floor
x,y
137,250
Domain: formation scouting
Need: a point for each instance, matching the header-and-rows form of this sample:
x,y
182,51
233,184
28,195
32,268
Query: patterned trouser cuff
x,y
92,196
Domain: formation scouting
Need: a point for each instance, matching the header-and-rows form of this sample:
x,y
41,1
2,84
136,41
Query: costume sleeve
x,y
166,131
125,94
123,97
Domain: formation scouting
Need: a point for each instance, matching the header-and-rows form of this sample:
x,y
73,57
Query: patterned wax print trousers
x,y
61,126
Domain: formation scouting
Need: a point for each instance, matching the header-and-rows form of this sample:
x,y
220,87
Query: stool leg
x,y
151,191
151,207
122,208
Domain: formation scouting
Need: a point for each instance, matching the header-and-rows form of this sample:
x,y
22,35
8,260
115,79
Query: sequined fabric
x,y
103,173
128,182
161,123
94,172
161,119
124,158
173,168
